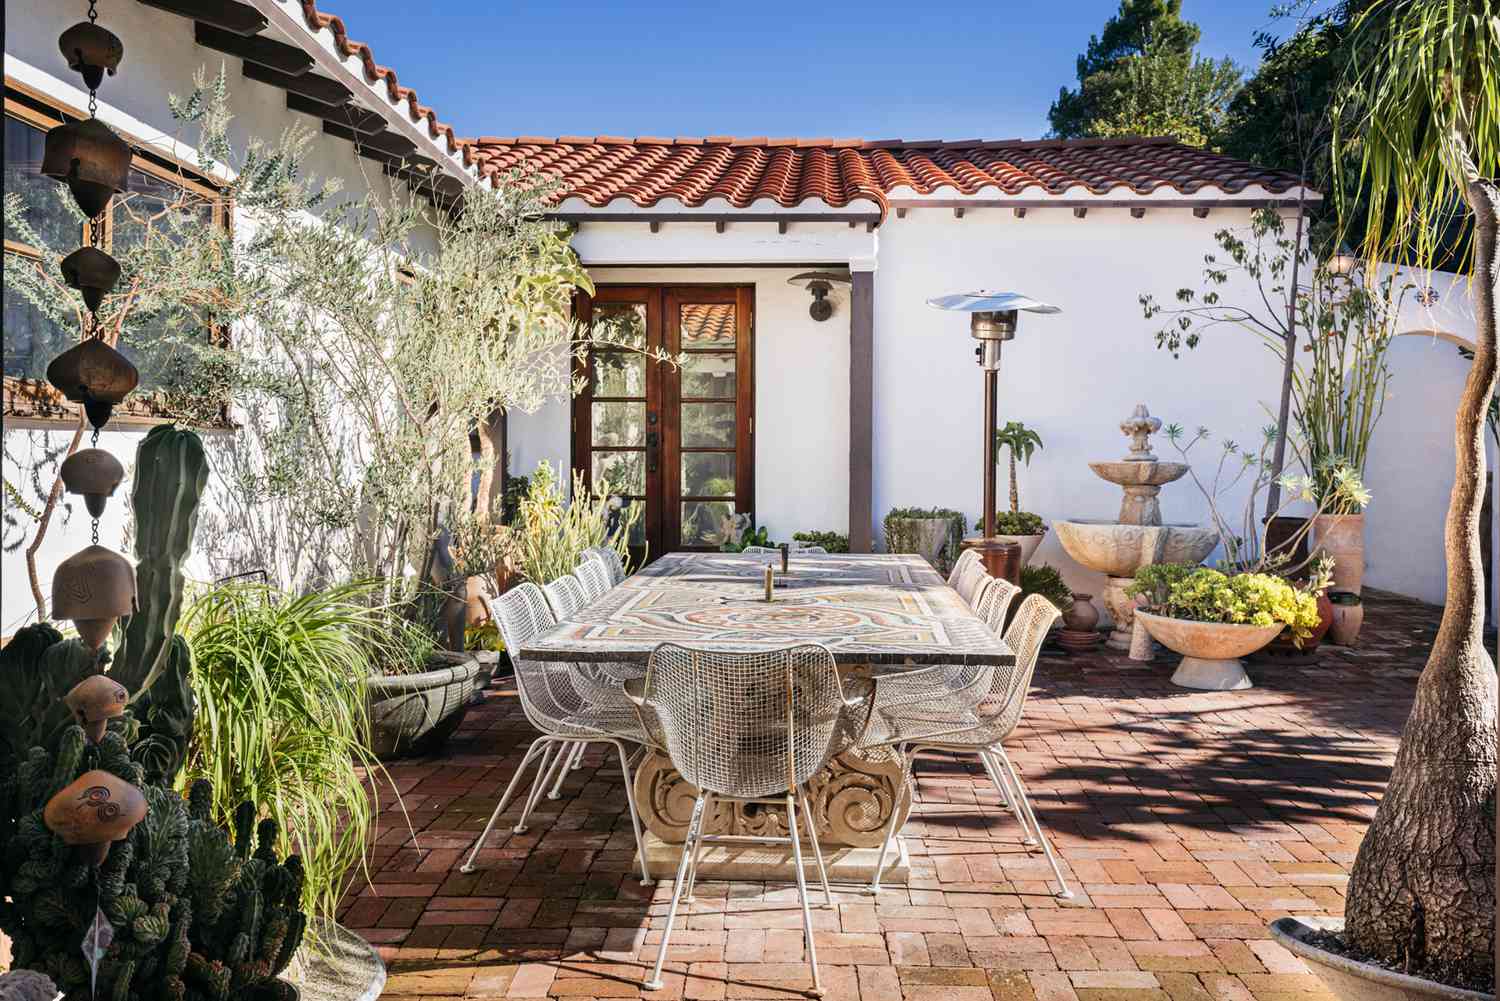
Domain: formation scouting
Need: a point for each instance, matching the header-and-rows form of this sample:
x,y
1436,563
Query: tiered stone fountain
x,y
1118,549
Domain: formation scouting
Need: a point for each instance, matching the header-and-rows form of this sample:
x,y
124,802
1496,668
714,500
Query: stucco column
x,y
861,406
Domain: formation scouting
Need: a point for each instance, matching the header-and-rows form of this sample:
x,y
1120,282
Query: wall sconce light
x,y
819,283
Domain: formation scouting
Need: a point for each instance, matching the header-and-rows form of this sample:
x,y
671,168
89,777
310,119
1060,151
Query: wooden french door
x,y
677,440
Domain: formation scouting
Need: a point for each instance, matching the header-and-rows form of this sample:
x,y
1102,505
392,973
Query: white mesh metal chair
x,y
565,596
965,559
966,724
968,576
593,575
761,551
553,705
951,681
747,727
611,560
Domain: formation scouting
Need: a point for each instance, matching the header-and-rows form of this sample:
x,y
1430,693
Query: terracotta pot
x,y
1028,543
1343,538
1351,980
1001,558
1211,651
1347,621
1082,616
1283,647
1279,531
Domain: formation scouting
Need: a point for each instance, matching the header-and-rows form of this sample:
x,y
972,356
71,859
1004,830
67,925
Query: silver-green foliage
x,y
551,532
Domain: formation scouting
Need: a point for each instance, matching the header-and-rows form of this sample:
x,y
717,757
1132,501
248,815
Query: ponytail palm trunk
x,y
1425,110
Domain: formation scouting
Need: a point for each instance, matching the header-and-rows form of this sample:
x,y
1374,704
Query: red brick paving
x,y
1186,820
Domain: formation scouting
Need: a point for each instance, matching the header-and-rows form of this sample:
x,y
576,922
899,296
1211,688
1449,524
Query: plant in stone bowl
x,y
1214,618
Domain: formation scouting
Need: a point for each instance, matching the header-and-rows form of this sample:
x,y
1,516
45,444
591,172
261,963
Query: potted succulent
x,y
934,533
1213,618
1021,527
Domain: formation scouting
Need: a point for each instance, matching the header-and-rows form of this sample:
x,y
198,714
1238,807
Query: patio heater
x,y
992,321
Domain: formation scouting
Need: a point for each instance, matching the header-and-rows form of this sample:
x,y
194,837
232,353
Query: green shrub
x,y
831,541
551,532
748,537
1015,523
1046,581
1203,594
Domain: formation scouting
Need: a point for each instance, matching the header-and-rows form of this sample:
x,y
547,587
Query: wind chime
x,y
95,586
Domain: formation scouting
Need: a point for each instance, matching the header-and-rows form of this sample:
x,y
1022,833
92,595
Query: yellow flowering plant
x,y
1202,594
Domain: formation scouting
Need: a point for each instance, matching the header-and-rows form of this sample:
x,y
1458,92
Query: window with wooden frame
x,y
33,336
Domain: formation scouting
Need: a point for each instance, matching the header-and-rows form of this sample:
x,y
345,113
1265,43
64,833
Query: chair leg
x,y
635,815
655,984
812,835
572,760
544,776
1001,789
510,789
1023,803
692,873
1007,796
812,949
890,829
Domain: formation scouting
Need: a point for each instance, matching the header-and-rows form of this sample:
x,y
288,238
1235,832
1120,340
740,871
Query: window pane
x,y
31,338
708,474
707,325
708,425
638,530
619,423
707,523
618,373
46,206
625,472
708,375
620,323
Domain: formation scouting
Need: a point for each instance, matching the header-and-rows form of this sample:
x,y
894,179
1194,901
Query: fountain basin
x,y
1133,472
1120,550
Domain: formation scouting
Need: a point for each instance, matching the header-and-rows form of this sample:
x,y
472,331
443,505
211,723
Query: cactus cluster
x,y
196,914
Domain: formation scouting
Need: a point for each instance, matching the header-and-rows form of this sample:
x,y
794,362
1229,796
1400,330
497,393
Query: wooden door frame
x,y
666,482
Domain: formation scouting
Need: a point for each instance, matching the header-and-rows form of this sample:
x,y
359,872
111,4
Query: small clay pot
x,y
94,702
91,51
93,587
95,809
92,272
94,474
94,374
1348,618
90,159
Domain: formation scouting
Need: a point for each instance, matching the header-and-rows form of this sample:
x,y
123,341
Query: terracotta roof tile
x,y
840,171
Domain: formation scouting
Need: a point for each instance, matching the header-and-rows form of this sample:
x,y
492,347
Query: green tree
x,y
1140,76
1422,112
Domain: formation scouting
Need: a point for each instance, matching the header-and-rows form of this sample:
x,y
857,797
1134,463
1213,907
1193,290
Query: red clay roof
x,y
645,171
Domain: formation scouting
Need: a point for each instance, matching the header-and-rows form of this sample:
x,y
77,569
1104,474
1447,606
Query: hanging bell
x,y
95,701
92,272
91,51
92,811
93,587
94,374
95,474
90,159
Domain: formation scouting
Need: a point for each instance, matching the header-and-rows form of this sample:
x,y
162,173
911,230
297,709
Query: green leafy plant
x,y
283,722
834,542
1202,594
1048,582
1020,442
1016,523
749,536
550,533
483,636
901,537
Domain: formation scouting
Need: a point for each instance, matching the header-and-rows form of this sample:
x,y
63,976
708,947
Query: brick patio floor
x,y
1186,821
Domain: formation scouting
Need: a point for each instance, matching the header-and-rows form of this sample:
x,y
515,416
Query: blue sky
x,y
873,70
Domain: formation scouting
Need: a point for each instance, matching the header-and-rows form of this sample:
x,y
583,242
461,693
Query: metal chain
x,y
93,96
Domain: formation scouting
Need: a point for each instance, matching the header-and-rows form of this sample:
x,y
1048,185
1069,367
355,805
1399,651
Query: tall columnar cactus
x,y
196,915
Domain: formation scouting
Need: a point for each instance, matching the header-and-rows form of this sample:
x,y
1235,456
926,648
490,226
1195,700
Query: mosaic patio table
x,y
878,614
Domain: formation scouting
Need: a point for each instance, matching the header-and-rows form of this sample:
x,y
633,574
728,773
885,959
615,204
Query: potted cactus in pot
x,y
1015,525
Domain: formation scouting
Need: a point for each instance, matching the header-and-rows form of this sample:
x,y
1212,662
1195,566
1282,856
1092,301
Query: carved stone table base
x,y
754,862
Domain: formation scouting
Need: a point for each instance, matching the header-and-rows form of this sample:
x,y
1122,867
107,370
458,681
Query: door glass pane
x,y
625,472
710,375
32,338
707,325
619,423
707,425
638,530
619,373
708,474
45,206
707,523
621,323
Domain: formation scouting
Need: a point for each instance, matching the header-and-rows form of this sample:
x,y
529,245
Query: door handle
x,y
653,439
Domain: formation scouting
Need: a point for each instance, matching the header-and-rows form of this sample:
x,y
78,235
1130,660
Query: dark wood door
x,y
676,439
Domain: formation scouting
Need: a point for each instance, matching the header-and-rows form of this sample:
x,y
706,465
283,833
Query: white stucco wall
x,y
160,59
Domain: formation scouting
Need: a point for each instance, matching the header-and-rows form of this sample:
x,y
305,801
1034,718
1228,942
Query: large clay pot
x,y
1351,980
1343,538
1348,618
1285,649
1211,651
1080,624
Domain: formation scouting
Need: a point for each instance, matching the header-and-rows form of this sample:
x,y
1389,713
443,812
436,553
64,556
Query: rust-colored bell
x,y
92,272
94,374
90,159
93,810
93,587
95,701
93,473
91,51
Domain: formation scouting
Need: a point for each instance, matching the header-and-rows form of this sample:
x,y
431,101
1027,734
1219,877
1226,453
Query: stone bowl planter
x,y
927,537
346,969
1028,543
1211,651
1351,980
416,713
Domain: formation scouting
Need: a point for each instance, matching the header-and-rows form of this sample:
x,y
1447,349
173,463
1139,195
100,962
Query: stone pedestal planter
x,y
415,713
927,537
1343,538
1351,980
1211,651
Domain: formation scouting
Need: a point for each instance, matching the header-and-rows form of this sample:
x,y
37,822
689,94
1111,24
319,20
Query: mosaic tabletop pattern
x,y
868,609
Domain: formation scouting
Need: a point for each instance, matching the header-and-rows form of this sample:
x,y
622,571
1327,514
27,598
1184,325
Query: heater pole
x,y
991,417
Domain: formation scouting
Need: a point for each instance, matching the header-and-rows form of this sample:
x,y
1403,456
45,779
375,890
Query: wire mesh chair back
x,y
565,595
994,602
966,559
594,578
760,551
546,697
611,560
969,578
1001,708
746,725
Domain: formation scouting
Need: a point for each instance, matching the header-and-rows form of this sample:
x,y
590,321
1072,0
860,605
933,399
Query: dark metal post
x,y
991,417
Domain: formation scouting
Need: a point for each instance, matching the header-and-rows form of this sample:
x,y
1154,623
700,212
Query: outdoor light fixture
x,y
819,283
1343,263
992,321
